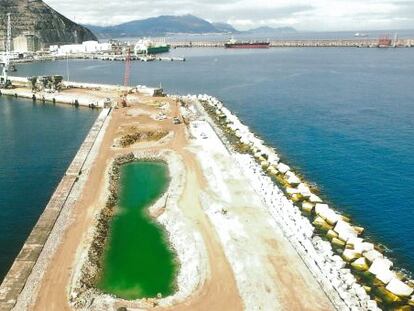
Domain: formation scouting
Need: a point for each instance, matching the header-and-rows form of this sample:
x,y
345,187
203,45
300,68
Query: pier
x,y
60,277
64,196
92,95
273,243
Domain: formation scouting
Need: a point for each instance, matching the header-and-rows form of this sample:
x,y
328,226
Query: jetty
x,y
92,95
247,230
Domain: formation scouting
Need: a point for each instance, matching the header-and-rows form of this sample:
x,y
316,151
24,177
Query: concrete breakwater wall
x,y
358,43
24,264
352,271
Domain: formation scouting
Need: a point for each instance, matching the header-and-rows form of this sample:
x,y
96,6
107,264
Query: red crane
x,y
127,67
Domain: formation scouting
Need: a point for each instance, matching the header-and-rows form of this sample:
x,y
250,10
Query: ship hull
x,y
158,49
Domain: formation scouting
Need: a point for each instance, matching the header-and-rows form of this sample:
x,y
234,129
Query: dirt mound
x,y
141,136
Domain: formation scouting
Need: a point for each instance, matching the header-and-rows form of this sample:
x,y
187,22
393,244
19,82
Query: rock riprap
x,y
354,273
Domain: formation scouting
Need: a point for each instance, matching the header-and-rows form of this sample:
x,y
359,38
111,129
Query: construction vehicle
x,y
49,84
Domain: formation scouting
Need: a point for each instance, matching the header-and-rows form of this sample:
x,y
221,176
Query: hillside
x,y
37,17
159,26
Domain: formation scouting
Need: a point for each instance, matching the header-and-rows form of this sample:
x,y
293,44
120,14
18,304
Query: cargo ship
x,y
148,47
234,44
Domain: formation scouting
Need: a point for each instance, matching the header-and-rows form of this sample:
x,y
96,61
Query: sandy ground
x,y
267,269
286,280
219,290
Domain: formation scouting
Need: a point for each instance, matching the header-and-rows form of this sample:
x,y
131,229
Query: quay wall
x,y
22,268
100,95
82,99
52,97
23,81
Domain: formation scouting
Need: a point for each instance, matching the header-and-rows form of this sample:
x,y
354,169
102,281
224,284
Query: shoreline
x,y
291,192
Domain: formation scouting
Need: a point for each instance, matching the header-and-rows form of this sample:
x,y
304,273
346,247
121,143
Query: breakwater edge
x,y
353,271
252,213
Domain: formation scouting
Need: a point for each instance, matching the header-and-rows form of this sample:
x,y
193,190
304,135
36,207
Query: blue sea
x,y
37,144
344,118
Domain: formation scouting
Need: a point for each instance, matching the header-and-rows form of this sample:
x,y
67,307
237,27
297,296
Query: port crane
x,y
127,71
4,80
127,67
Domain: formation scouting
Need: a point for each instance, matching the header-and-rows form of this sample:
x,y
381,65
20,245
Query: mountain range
x,y
167,24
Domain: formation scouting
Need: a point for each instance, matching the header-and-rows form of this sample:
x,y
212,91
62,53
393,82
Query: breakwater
x,y
27,264
309,43
353,271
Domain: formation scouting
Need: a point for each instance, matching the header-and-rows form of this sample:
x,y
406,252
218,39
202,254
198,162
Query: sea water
x,y
344,117
37,144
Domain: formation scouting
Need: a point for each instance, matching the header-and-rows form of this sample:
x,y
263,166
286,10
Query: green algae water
x,y
137,261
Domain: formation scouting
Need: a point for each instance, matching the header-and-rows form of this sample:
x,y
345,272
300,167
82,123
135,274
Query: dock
x,y
92,95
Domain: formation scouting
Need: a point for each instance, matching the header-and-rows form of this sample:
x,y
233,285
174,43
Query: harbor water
x,y
344,117
37,144
137,260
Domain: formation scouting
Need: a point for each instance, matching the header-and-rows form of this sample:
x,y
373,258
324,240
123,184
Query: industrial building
x,y
85,47
26,42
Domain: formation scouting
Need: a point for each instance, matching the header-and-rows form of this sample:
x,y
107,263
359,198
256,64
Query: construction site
x,y
241,229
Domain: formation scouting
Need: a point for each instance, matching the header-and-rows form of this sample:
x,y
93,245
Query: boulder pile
x,y
352,271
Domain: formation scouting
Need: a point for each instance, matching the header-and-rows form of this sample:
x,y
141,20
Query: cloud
x,y
322,15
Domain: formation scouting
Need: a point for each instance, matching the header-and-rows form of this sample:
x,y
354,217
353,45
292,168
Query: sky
x,y
305,15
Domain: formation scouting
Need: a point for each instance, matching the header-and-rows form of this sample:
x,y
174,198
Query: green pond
x,y
137,261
